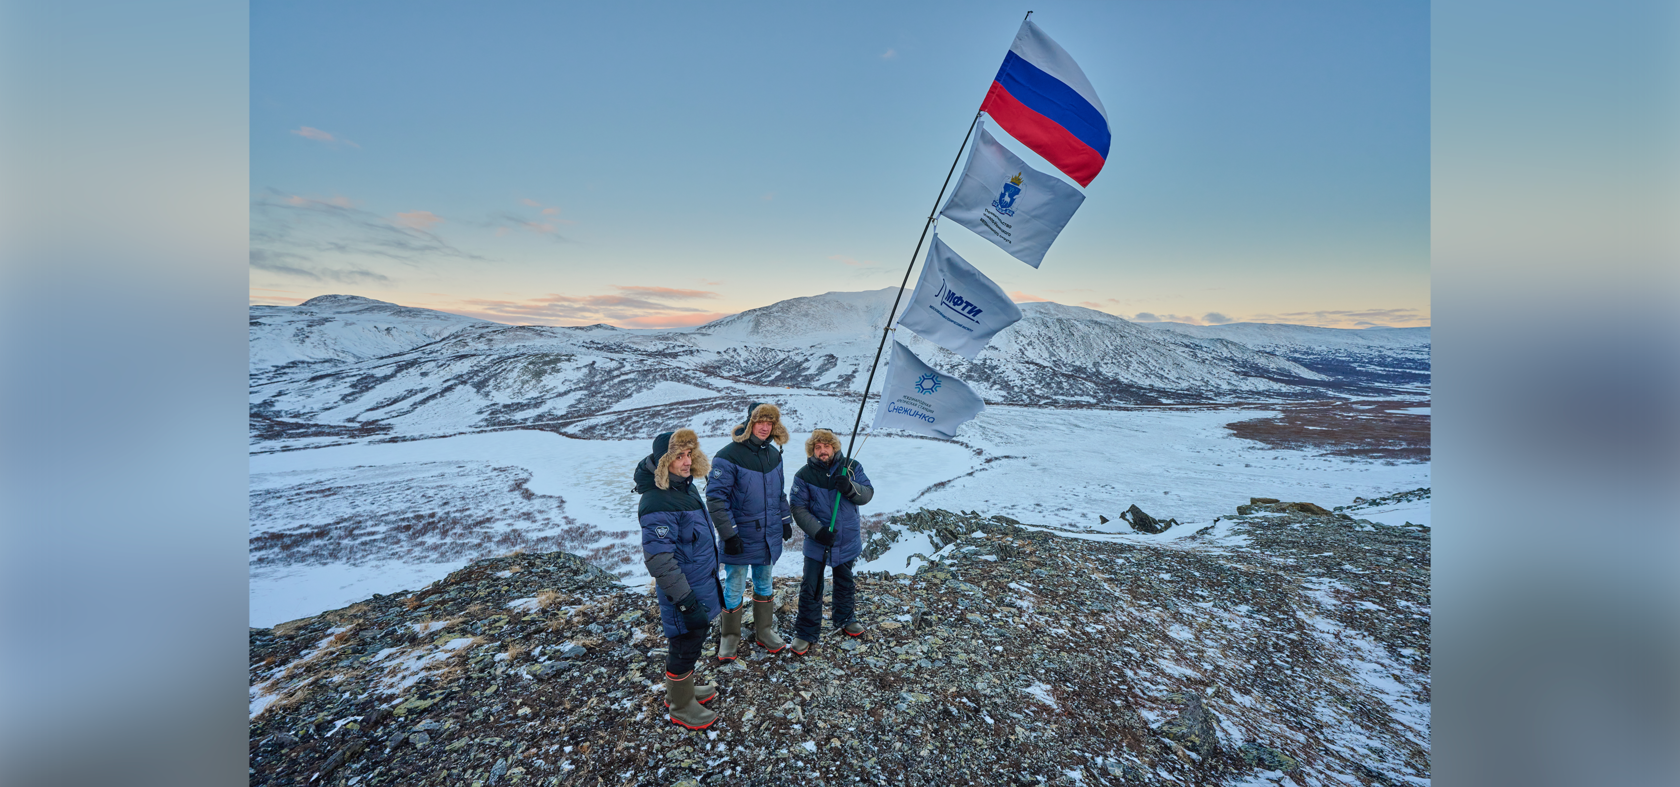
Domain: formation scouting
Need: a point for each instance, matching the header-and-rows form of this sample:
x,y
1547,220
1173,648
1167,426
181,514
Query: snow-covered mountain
x,y
338,363
1396,356
336,329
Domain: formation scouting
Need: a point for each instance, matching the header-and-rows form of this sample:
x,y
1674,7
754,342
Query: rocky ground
x,y
1285,644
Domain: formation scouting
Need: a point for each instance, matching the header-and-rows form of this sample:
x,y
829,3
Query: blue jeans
x,y
736,580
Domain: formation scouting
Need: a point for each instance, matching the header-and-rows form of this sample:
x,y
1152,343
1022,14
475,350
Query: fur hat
x,y
762,411
821,436
667,446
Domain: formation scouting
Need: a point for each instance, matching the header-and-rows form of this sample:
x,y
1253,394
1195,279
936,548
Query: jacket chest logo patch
x,y
662,531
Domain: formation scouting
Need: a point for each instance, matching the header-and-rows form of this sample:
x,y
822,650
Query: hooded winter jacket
x,y
814,497
747,497
675,527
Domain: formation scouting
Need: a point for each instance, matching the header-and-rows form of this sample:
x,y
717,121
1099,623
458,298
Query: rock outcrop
x,y
1270,647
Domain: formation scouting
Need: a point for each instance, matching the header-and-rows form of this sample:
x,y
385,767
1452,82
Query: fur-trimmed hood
x,y
760,411
673,444
821,436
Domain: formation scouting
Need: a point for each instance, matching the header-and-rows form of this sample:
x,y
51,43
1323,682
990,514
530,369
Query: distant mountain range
x,y
343,365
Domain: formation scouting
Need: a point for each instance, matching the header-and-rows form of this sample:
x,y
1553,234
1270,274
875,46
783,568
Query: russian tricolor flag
x,y
1042,99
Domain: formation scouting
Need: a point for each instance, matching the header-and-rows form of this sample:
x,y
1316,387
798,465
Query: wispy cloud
x,y
269,296
1215,318
889,54
1021,297
1350,318
299,266
666,292
419,219
547,221
636,307
330,239
326,137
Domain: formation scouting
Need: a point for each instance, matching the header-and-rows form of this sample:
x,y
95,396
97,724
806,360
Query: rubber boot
x,y
800,647
703,693
729,642
853,629
764,625
681,705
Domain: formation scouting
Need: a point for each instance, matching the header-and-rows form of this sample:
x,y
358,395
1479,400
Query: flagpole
x,y
886,329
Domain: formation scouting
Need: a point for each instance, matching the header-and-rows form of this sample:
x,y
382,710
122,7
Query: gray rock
x,y
497,771
1263,756
572,651
1194,727
427,725
545,670
419,739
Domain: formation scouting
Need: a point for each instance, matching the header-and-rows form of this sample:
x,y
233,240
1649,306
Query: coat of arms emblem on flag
x,y
1005,202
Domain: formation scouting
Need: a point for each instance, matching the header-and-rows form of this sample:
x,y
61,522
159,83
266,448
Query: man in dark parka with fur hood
x,y
680,554
747,496
826,494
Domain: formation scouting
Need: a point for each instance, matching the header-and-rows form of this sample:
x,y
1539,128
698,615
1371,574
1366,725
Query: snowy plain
x,y
1045,467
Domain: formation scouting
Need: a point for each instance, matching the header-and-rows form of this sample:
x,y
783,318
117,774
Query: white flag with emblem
x,y
955,306
918,399
1009,203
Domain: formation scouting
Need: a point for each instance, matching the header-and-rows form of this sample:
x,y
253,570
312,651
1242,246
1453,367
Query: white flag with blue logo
x,y
918,399
955,306
1009,203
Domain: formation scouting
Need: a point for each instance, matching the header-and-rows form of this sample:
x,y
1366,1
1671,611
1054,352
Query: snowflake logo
x,y
928,383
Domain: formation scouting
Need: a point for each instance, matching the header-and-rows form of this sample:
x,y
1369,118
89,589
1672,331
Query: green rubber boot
x,y
729,641
764,625
683,708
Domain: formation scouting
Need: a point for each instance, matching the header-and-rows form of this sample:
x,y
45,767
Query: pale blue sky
x,y
662,164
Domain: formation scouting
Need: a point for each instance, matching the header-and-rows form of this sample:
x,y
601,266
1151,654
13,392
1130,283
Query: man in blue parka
x,y
680,554
747,496
826,494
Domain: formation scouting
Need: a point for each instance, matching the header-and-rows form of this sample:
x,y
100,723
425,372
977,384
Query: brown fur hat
x,y
679,440
821,436
763,411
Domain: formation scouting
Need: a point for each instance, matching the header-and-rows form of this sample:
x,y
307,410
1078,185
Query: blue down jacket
x,y
675,520
746,489
814,492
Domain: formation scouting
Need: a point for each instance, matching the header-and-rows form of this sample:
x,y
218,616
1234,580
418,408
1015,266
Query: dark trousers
x,y
809,622
683,650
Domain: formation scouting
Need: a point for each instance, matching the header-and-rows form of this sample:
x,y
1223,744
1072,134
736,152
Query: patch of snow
x,y
1041,690
526,605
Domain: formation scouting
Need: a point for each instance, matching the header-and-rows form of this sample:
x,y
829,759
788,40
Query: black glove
x,y
844,485
693,612
733,545
787,530
824,537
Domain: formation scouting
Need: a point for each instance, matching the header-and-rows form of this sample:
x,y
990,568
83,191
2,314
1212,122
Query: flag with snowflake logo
x,y
917,398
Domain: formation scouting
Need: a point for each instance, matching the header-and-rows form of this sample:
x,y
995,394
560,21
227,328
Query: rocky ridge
x,y
1283,645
